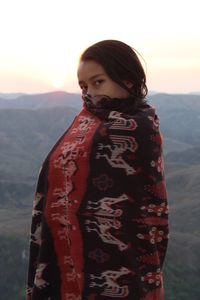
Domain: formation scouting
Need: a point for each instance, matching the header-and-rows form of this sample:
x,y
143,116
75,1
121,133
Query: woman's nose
x,y
90,92
86,92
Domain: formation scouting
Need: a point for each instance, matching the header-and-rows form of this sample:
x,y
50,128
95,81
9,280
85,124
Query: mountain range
x,y
31,124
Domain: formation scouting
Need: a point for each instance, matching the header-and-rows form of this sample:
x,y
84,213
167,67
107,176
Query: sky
x,y
42,40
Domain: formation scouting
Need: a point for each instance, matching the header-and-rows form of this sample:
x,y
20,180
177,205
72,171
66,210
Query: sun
x,y
57,83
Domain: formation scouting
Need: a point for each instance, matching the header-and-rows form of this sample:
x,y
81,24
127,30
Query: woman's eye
x,y
98,82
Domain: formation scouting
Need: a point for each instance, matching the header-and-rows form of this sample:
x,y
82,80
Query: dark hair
x,y
120,62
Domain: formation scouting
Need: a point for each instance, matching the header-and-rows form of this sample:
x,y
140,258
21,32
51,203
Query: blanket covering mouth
x,y
100,216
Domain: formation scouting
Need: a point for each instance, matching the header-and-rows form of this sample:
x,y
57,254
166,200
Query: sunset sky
x,y
41,41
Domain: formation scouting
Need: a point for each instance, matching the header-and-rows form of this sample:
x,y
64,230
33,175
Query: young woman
x,y
100,216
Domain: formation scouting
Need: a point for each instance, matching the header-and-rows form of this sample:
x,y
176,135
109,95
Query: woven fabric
x,y
100,215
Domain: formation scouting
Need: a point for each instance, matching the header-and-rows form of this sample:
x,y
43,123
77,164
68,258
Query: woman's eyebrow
x,y
92,77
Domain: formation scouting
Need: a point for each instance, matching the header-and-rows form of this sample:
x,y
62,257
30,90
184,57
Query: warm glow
x,y
41,41
57,83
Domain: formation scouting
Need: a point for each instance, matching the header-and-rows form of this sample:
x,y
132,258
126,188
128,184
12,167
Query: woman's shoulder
x,y
144,118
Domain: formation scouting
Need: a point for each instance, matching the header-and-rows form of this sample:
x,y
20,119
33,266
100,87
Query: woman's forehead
x,y
89,69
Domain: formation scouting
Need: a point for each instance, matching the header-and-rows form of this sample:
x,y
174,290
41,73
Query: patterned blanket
x,y
100,215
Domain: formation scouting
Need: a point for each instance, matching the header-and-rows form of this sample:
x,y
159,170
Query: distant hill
x,y
27,135
195,93
11,95
31,124
39,101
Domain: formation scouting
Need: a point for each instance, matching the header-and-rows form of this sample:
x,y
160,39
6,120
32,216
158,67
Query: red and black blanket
x,y
100,215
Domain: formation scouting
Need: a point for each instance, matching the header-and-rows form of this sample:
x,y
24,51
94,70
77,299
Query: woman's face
x,y
94,81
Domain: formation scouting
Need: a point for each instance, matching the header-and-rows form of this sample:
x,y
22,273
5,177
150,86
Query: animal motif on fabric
x,y
100,215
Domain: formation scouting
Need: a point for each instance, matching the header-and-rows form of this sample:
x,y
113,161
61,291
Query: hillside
x,y
39,101
29,127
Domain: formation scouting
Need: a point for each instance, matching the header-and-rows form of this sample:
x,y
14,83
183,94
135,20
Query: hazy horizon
x,y
78,92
